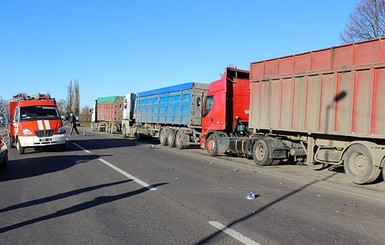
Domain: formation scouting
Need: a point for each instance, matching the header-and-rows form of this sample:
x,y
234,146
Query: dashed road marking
x,y
234,234
140,182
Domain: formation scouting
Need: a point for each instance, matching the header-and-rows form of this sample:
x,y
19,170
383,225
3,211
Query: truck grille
x,y
44,133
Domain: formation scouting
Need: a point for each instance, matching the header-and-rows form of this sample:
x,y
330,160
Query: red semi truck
x,y
225,110
319,107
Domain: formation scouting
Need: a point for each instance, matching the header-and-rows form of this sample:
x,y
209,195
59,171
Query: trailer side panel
x,y
332,91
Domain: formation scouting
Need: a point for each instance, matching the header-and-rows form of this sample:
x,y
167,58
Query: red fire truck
x,y
34,121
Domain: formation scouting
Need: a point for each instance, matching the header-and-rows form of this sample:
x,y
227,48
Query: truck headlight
x,y
26,131
61,130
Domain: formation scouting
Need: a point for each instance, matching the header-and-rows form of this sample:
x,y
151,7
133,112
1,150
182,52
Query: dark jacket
x,y
73,119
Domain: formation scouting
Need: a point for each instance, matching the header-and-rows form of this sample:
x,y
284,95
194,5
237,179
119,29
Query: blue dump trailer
x,y
173,114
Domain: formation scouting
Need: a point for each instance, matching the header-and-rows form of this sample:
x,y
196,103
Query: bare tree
x,y
73,97
69,98
2,107
85,115
61,106
76,98
366,22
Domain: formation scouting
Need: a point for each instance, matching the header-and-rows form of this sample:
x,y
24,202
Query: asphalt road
x,y
109,190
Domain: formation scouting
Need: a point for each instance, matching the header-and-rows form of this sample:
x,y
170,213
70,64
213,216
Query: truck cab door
x,y
214,114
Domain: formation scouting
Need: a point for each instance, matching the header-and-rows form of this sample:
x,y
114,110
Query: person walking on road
x,y
73,124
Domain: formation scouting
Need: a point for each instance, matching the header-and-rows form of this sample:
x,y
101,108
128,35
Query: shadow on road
x,y
34,166
260,210
60,196
100,143
78,208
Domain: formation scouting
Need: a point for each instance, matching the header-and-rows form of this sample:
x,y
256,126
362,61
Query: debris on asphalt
x,y
251,196
151,146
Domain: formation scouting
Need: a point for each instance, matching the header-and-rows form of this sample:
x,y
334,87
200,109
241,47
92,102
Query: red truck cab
x,y
226,108
34,121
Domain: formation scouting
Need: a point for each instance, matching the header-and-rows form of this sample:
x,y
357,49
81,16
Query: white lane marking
x,y
234,234
140,182
81,147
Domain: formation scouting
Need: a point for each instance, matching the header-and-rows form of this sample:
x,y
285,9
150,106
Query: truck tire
x,y
212,145
179,140
124,133
383,173
20,149
261,153
163,136
171,138
358,165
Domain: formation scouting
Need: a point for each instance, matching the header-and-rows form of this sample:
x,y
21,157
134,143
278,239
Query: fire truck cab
x,y
34,121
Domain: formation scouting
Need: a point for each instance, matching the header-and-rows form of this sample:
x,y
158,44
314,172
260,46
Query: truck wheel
x,y
212,145
171,138
163,137
358,165
20,149
383,172
124,131
179,140
261,153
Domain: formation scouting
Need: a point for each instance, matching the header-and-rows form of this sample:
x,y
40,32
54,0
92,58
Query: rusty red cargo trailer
x,y
298,92
324,105
320,107
107,114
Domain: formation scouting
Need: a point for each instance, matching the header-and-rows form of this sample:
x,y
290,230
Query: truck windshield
x,y
38,113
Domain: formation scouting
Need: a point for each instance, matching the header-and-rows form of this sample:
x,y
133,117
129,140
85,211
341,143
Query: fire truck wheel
x,y
358,165
212,145
20,149
261,153
171,138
